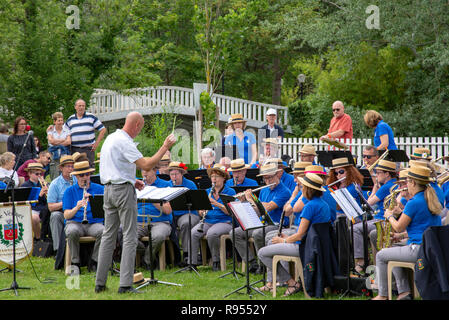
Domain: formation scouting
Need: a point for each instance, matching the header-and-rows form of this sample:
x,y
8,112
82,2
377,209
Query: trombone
x,y
382,157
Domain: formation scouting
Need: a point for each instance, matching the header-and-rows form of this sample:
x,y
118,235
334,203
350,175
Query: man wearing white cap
x,y
271,129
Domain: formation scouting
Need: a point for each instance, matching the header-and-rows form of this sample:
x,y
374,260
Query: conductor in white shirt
x,y
118,162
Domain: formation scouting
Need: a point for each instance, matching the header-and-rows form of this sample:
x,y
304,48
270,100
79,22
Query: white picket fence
x,y
438,146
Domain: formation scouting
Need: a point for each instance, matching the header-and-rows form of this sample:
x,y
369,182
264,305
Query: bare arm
x,y
383,142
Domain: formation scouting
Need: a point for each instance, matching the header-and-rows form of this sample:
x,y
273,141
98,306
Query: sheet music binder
x,y
348,204
246,215
155,194
20,194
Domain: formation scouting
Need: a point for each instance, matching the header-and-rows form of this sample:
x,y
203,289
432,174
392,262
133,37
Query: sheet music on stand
x,y
246,215
348,204
155,194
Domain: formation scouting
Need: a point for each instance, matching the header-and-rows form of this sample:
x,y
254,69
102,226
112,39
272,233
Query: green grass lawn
x,y
207,286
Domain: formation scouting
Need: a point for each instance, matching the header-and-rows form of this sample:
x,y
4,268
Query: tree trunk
x,y
277,79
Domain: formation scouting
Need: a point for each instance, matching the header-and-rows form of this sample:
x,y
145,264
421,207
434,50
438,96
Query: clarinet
x,y
281,223
85,221
201,227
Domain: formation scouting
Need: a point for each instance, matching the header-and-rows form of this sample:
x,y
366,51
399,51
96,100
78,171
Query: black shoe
x,y
253,266
99,289
128,290
92,266
216,266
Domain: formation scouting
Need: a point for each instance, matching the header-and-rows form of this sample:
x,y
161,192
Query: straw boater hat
x,y
138,278
270,141
35,166
165,158
237,117
313,181
269,169
79,156
386,165
82,167
420,163
421,153
98,158
340,163
66,159
277,161
316,169
238,165
220,169
402,176
176,165
300,167
308,149
419,173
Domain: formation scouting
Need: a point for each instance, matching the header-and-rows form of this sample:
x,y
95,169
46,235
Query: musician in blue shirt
x,y
421,211
245,141
287,179
151,212
238,169
217,221
273,199
74,204
383,134
177,170
315,211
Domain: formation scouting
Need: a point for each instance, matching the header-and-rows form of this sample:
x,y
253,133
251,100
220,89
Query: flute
x,y
254,190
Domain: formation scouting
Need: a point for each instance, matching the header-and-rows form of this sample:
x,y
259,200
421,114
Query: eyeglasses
x,y
37,173
336,109
84,174
367,156
341,171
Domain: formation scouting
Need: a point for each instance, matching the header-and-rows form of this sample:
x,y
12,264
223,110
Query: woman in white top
x,y
7,161
59,141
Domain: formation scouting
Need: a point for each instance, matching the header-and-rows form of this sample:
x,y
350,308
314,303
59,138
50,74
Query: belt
x,y
117,184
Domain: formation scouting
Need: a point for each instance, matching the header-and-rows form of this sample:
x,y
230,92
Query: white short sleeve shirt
x,y
118,154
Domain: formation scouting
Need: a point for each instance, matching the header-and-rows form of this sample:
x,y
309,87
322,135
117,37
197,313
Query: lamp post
x,y
301,79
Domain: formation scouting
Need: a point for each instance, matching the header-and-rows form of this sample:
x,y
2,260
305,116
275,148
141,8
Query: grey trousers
x,y
267,253
408,253
358,237
287,231
258,236
184,232
213,233
120,208
74,230
56,227
159,232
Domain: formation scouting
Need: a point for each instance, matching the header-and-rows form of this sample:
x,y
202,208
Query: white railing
x,y
439,146
107,101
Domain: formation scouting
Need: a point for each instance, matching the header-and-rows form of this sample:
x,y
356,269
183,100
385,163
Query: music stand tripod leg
x,y
233,272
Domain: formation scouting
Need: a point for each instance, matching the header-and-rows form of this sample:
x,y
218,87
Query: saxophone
x,y
383,227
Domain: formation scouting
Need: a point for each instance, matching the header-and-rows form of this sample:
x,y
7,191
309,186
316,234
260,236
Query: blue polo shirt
x,y
279,195
383,128
382,193
34,195
2,185
57,188
243,146
149,208
246,183
416,209
75,193
216,215
188,184
316,211
289,181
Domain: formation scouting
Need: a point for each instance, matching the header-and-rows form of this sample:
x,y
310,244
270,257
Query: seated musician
x,y
307,153
420,212
287,179
207,158
386,176
273,199
217,221
163,163
55,194
177,170
270,150
238,169
76,208
35,172
315,211
160,222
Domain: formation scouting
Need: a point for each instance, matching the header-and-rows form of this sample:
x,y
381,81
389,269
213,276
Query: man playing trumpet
x,y
77,209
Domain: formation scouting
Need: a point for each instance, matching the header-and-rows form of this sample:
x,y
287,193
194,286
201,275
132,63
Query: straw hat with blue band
x,y
419,173
300,167
386,165
238,165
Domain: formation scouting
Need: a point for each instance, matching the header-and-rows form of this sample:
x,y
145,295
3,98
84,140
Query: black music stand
x,y
226,200
246,228
152,280
200,177
191,200
325,157
96,206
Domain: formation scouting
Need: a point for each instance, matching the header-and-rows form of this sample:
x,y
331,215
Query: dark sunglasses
x,y
367,156
84,174
341,171
37,173
333,110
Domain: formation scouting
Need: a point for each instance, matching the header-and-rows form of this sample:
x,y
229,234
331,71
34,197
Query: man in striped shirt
x,y
82,127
